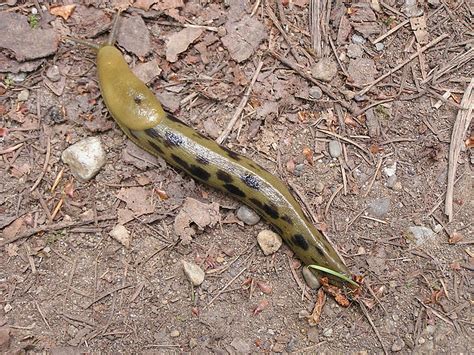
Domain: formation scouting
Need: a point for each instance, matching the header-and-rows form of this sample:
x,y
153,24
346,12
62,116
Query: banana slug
x,y
142,118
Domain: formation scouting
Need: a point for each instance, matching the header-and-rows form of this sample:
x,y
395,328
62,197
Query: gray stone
x,y
379,46
23,95
85,158
335,149
311,279
325,69
419,234
269,241
53,74
299,168
398,345
315,92
328,332
354,50
247,215
379,207
174,333
358,39
193,272
242,346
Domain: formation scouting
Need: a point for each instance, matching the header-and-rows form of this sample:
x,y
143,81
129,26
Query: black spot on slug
x,y
278,230
319,250
202,160
287,219
199,172
223,176
151,132
156,147
231,154
180,161
300,241
138,99
173,139
256,203
270,210
234,190
251,181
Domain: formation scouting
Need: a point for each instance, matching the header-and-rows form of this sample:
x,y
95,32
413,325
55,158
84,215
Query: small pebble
x,y
53,73
434,3
438,228
419,234
390,168
23,95
85,158
193,272
391,181
17,78
379,46
360,98
315,92
325,69
121,235
11,2
303,314
357,39
311,279
379,207
299,168
328,332
354,51
174,333
269,241
335,149
398,345
319,187
247,215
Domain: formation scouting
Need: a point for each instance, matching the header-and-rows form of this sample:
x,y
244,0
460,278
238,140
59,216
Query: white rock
x,y
193,272
85,158
23,95
390,168
269,241
121,235
311,279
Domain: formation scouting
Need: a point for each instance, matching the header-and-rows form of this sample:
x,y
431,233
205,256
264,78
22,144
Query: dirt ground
x,y
67,286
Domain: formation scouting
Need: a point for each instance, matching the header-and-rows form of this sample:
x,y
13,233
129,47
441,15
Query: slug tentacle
x,y
141,117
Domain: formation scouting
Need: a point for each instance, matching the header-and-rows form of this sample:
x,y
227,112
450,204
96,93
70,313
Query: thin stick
x,y
333,196
402,64
53,227
277,24
461,125
45,166
106,293
223,289
379,164
367,315
241,106
42,315
396,28
345,140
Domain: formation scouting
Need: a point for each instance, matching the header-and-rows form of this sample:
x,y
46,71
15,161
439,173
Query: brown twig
x,y
45,165
241,106
53,227
379,164
367,315
461,125
106,293
277,24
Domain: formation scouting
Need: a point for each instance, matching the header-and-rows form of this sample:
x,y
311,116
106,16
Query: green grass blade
x,y
334,273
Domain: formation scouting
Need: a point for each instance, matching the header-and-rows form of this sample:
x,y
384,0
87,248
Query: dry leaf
x,y
261,306
121,234
455,237
162,194
64,11
144,4
69,189
13,229
313,319
334,291
308,154
264,287
180,41
290,166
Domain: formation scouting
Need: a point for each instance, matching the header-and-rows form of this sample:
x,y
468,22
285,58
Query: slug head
x,y
127,98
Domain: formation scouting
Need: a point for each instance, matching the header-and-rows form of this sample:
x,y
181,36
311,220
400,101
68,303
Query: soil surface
x,y
368,159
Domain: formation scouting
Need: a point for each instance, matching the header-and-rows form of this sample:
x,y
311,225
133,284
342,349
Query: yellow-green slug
x,y
140,115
